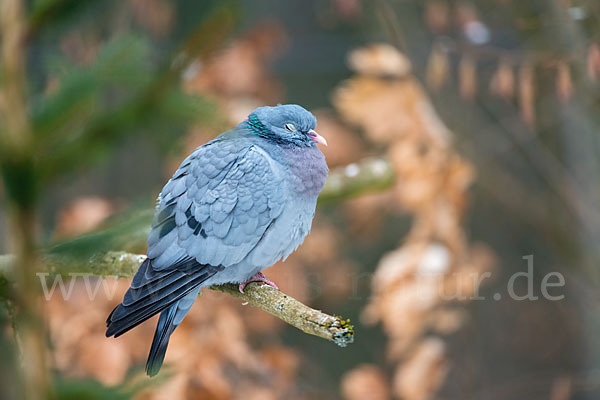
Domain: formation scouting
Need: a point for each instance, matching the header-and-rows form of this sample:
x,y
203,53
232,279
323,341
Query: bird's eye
x,y
290,127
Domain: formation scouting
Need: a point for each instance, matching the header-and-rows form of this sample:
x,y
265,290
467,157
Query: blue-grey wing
x,y
217,206
211,214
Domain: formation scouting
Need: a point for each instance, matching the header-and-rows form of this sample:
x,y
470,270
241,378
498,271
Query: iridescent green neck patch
x,y
257,127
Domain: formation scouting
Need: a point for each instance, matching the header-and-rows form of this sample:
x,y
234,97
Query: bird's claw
x,y
259,277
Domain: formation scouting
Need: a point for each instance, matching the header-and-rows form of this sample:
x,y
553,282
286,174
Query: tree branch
x,y
367,175
271,300
290,310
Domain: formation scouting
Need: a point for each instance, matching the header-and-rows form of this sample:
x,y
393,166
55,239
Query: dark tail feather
x,y
149,295
164,329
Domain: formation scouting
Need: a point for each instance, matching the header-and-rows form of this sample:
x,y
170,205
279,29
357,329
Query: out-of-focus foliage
x,y
87,389
499,146
89,109
126,231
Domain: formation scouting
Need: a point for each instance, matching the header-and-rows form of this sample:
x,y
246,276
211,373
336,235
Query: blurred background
x,y
486,111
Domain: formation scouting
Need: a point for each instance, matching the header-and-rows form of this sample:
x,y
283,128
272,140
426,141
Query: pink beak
x,y
316,137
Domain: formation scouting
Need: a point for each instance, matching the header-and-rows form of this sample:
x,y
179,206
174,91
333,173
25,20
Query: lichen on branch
x,y
293,312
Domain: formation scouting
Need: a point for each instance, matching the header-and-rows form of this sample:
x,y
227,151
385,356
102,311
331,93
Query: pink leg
x,y
259,277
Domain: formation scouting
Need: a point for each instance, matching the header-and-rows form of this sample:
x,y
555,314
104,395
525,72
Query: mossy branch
x,y
367,175
271,300
293,312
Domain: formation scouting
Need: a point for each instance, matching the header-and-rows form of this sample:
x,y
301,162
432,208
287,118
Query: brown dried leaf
x,y
438,67
379,60
467,75
527,93
283,361
562,388
422,374
503,81
437,15
365,382
82,215
389,110
593,61
465,12
447,321
243,69
564,84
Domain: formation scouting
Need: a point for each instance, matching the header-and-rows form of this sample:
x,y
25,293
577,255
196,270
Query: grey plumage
x,y
235,206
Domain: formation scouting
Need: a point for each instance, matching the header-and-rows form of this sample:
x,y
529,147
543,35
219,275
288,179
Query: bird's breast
x,y
308,171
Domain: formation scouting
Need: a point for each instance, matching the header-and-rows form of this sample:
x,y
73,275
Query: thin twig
x,y
295,313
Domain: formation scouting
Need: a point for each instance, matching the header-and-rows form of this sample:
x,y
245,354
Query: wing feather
x,y
233,194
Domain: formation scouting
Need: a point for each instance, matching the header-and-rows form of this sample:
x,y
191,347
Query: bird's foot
x,y
259,277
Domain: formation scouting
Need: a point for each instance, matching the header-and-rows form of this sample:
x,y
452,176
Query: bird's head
x,y
285,124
